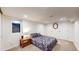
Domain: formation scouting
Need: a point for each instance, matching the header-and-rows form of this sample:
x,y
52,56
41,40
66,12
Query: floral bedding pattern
x,y
45,43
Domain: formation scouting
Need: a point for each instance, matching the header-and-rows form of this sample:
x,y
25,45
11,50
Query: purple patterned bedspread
x,y
45,43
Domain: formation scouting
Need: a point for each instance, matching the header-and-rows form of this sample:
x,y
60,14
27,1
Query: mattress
x,y
45,43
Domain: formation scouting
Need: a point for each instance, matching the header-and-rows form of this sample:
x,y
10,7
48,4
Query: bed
x,y
45,43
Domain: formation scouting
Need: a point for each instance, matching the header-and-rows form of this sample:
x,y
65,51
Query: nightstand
x,y
25,42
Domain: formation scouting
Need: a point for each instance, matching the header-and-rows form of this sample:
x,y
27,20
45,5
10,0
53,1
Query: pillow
x,y
35,35
39,34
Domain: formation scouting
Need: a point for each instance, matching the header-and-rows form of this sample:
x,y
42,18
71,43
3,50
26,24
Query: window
x,y
15,26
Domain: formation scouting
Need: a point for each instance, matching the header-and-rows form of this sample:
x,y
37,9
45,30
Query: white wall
x,y
76,33
64,31
41,29
31,27
9,39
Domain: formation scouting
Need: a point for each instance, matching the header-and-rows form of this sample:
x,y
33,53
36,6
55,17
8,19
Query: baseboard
x,y
67,40
12,47
9,48
76,46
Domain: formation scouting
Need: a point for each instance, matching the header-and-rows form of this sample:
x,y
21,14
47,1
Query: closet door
x,y
0,31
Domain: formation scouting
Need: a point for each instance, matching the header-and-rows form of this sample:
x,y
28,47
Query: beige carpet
x,y
62,45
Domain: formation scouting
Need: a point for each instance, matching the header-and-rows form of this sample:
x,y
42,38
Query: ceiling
x,y
42,14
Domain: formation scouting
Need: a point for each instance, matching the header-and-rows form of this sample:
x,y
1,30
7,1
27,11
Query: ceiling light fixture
x,y
25,16
63,19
